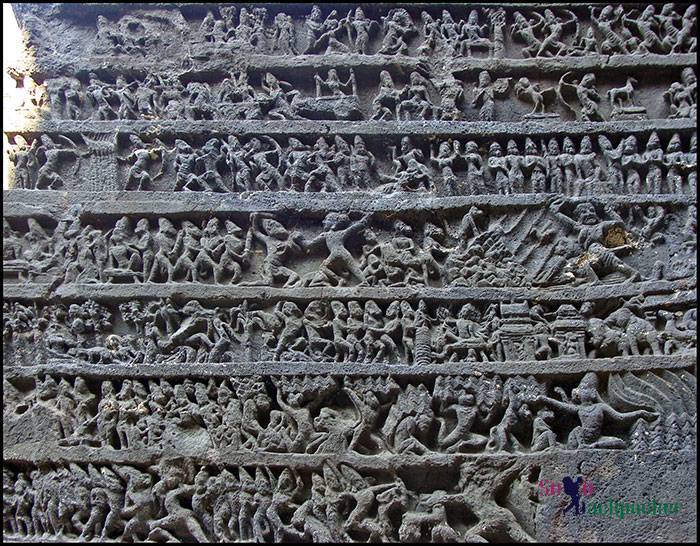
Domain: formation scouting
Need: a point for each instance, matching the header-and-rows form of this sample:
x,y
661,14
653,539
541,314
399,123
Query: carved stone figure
x,y
486,92
682,96
591,412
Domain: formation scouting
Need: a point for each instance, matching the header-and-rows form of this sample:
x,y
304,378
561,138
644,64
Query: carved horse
x,y
623,94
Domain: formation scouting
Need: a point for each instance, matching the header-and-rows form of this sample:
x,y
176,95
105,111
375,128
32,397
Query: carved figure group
x,y
461,414
594,167
345,331
547,32
177,500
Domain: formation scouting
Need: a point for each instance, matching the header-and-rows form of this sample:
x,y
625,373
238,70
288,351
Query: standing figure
x,y
514,163
361,25
553,166
24,158
566,160
536,165
451,95
653,157
386,101
361,164
587,168
334,84
283,37
475,184
631,161
485,92
613,155
674,160
431,35
445,160
499,169
238,164
691,162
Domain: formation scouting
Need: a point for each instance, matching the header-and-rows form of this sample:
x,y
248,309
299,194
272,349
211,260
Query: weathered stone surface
x,y
287,273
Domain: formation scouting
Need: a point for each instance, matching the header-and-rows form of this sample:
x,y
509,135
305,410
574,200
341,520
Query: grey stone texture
x,y
296,273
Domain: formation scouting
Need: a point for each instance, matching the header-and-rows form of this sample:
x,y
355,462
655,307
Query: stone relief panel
x,y
178,500
511,32
368,416
565,242
489,279
371,94
341,330
569,166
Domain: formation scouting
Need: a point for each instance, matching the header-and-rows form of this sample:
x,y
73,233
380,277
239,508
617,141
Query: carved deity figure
x,y
337,230
682,96
25,161
486,92
398,27
386,101
334,84
592,412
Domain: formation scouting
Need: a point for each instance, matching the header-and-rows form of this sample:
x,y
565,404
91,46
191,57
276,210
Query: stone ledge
x,y
555,367
441,295
44,453
52,203
427,129
676,292
258,63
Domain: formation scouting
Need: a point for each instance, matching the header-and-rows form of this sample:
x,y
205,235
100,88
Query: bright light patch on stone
x,y
12,52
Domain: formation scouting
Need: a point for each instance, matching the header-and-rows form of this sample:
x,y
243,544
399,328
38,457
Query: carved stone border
x,y
677,292
428,128
257,63
554,367
79,454
51,204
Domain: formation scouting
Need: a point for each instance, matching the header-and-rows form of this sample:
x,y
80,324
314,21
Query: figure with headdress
x,y
486,92
592,412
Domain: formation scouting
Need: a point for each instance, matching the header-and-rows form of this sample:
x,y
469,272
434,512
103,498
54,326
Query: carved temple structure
x,y
354,273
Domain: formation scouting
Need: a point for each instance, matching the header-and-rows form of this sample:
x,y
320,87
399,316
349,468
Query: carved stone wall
x,y
288,273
